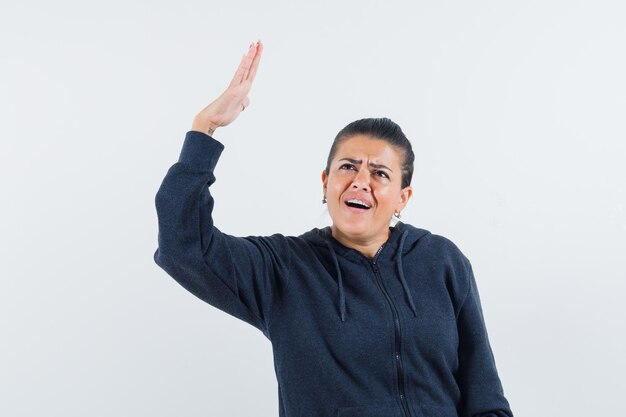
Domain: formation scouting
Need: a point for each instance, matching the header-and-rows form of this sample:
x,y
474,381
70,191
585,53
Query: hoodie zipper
x,y
398,338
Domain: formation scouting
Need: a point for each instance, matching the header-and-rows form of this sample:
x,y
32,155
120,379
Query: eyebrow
x,y
358,161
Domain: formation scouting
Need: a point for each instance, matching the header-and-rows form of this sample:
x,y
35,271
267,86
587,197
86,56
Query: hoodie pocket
x,y
369,412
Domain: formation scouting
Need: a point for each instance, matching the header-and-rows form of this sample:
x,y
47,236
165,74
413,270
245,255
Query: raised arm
x,y
242,276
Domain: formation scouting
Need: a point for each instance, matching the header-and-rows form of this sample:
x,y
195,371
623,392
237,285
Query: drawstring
x,y
401,272
342,297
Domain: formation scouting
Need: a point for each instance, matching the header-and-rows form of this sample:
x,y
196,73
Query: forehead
x,y
369,149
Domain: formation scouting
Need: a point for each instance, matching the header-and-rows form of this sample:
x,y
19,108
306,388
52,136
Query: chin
x,y
356,229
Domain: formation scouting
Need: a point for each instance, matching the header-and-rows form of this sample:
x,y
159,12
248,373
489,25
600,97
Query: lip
x,y
356,210
358,197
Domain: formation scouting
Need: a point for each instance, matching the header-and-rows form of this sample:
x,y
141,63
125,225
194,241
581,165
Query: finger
x,y
252,58
244,66
255,62
240,71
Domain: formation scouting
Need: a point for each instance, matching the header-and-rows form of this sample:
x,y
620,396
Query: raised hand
x,y
224,109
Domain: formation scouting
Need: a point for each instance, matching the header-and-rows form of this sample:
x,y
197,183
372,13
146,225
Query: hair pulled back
x,y
382,129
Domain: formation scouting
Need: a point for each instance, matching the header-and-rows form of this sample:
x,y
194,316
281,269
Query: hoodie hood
x,y
402,236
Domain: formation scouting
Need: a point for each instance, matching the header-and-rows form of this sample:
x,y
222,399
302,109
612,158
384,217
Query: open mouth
x,y
358,204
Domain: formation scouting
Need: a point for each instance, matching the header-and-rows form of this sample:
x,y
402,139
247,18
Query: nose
x,y
362,180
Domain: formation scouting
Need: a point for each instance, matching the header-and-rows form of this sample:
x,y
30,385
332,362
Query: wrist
x,y
205,127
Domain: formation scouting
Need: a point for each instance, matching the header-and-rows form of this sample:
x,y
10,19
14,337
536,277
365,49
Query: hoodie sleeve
x,y
242,276
481,390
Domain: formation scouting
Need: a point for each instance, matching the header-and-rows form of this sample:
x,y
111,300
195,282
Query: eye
x,y
346,166
381,174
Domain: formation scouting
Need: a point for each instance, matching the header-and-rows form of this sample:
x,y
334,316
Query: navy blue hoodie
x,y
401,334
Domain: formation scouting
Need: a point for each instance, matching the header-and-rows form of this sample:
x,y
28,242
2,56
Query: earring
x,y
324,200
397,214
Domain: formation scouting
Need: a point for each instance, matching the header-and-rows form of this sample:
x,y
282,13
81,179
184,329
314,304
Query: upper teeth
x,y
354,200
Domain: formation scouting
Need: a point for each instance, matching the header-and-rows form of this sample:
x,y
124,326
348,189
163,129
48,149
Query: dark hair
x,y
383,129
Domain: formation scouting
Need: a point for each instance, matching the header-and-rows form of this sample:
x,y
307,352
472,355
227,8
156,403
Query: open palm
x,y
223,110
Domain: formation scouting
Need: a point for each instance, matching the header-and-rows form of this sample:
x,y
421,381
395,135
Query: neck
x,y
368,247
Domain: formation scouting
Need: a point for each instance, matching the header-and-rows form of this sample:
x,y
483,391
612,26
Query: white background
x,y
516,114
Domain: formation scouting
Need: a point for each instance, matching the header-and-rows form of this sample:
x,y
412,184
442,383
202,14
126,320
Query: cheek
x,y
387,197
337,184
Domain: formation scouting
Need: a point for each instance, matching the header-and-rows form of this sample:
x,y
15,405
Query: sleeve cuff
x,y
200,150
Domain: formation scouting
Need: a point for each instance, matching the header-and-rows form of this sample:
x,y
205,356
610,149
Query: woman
x,y
364,319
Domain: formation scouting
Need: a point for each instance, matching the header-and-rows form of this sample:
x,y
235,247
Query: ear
x,y
405,195
324,179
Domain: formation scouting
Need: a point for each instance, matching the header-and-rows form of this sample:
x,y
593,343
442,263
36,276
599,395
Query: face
x,y
363,189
